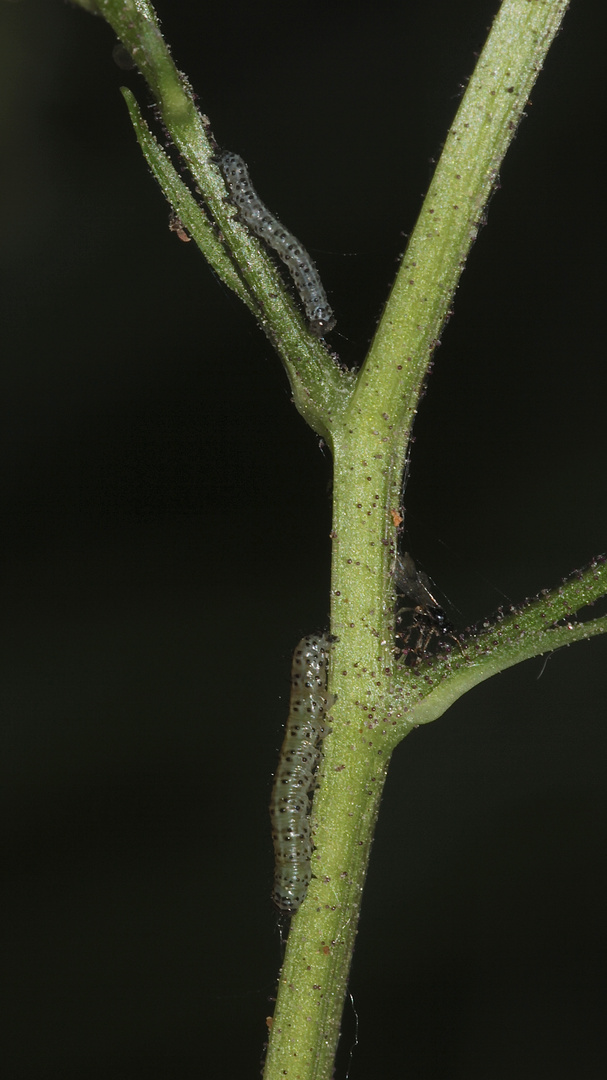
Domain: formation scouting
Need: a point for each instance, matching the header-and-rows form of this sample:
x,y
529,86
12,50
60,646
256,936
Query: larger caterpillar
x,y
293,783
287,247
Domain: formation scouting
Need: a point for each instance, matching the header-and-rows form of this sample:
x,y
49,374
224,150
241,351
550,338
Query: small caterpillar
x,y
293,783
287,247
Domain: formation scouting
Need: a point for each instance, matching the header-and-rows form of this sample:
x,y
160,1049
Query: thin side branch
x,y
542,625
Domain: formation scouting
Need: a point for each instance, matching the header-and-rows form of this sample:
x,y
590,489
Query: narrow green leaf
x,y
190,213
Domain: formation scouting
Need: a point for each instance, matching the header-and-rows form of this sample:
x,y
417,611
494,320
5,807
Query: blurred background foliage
x,y
165,544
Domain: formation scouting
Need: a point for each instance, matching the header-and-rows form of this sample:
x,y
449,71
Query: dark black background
x,y
165,544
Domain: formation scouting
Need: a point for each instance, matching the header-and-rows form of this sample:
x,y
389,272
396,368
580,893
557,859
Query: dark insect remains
x,y
422,626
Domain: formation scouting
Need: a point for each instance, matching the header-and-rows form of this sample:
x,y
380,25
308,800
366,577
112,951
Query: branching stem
x,y
366,418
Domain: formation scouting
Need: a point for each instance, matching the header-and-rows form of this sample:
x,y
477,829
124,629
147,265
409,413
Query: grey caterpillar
x,y
294,780
287,247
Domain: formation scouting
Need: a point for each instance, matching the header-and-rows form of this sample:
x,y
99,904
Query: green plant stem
x,y
454,207
370,441
366,419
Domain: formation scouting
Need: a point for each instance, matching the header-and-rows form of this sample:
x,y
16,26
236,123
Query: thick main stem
x,y
313,981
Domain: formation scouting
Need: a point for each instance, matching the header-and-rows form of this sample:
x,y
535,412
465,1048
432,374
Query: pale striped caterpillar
x,y
294,780
287,247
